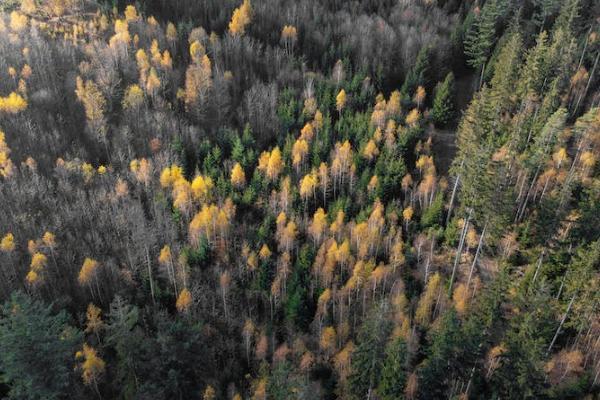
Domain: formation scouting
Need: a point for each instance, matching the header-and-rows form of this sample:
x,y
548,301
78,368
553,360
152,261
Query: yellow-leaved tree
x,y
94,322
198,80
88,271
289,36
328,339
134,97
7,244
170,175
202,187
238,177
12,104
209,393
432,295
340,100
93,102
184,301
413,117
6,165
271,163
241,18
92,367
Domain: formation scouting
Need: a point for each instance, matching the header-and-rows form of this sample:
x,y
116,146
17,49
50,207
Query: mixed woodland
x,y
299,199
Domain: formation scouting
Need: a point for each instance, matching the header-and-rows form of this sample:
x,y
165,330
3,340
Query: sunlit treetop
x,y
94,322
209,393
289,32
165,255
184,301
28,6
121,189
88,271
87,171
134,97
171,32
38,262
238,177
26,71
307,132
264,252
299,152
407,213
121,35
18,21
170,175
141,170
12,104
419,97
241,18
202,187
92,367
49,240
131,14
373,183
308,184
370,151
153,82
413,117
197,51
92,98
271,163
166,61
7,244
340,100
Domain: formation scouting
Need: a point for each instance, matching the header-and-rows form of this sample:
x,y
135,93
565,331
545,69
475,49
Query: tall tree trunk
x,y
562,321
476,255
459,251
587,86
150,275
453,195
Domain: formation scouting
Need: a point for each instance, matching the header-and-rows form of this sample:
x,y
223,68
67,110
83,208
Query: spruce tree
x,y
442,111
393,374
481,36
37,349
521,370
367,359
437,371
506,71
417,76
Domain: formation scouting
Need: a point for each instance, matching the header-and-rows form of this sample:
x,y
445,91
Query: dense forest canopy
x,y
299,199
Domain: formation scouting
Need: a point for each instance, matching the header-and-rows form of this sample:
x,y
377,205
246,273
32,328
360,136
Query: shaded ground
x,y
444,140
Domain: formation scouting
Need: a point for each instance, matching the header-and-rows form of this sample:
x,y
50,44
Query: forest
x,y
299,199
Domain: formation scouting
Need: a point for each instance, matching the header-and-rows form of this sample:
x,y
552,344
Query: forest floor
x,y
444,140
